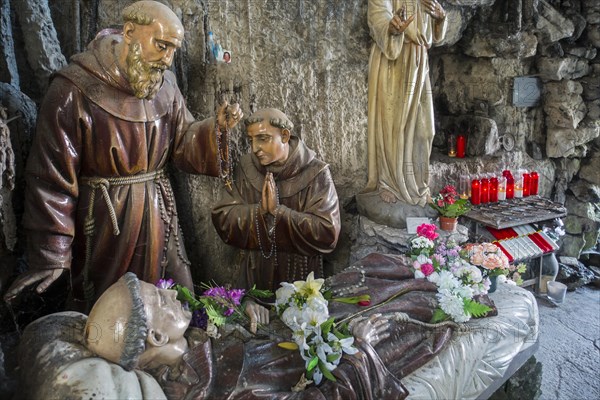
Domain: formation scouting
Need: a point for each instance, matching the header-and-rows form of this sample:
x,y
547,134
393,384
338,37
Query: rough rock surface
x,y
43,49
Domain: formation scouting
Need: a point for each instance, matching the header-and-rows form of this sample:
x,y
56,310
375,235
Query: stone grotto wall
x,y
310,59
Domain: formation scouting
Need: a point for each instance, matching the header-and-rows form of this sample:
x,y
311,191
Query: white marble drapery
x,y
400,115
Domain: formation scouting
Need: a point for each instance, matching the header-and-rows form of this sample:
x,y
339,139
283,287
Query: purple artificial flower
x,y
199,319
235,295
218,291
165,283
228,312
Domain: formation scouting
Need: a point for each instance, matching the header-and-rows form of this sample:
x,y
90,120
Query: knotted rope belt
x,y
103,184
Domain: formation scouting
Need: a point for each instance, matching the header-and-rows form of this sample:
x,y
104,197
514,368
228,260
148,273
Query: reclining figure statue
x,y
136,344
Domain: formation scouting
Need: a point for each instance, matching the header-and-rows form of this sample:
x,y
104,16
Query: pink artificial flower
x,y
492,261
427,269
440,203
449,190
427,231
490,247
450,199
477,256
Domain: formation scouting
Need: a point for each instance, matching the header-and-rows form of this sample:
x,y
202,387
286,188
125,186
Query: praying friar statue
x,y
283,210
400,106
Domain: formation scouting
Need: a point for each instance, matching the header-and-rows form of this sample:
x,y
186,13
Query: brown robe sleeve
x,y
309,231
51,173
196,144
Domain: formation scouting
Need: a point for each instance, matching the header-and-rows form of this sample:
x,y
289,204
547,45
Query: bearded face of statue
x,y
150,51
145,77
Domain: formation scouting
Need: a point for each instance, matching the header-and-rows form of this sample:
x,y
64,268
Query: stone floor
x,y
570,346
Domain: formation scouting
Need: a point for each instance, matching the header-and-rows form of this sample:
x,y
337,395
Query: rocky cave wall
x,y
310,59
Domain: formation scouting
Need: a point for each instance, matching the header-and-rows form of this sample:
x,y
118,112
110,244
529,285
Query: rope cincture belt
x,y
103,184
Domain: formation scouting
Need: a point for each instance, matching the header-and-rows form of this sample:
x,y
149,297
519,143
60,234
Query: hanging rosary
x,y
224,151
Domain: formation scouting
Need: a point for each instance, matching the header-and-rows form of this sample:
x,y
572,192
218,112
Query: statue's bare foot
x,y
387,196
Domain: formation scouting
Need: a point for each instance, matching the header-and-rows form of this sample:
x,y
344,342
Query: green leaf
x,y
333,356
438,316
326,326
340,335
353,300
476,309
312,364
185,295
326,373
309,374
259,293
215,316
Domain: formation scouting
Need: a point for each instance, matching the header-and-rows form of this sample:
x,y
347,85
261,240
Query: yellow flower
x,y
311,287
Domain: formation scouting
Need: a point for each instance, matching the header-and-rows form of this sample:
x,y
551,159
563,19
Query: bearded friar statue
x,y
98,201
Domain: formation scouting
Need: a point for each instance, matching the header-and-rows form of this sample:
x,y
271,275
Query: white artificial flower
x,y
299,338
419,274
452,305
318,304
311,287
292,317
421,242
466,292
447,280
423,259
434,277
284,293
345,345
478,288
313,317
317,376
322,350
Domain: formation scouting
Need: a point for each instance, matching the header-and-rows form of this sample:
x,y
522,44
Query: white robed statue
x,y
400,116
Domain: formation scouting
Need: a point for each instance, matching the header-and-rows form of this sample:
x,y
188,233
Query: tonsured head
x,y
134,318
269,131
152,33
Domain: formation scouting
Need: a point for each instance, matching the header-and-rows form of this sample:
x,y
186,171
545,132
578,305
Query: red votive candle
x,y
534,181
475,192
526,184
493,189
485,191
461,145
510,184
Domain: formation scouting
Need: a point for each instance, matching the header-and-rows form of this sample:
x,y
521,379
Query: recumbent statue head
x,y
137,325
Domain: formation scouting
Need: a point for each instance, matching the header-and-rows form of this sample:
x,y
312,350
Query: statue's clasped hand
x,y
269,200
228,116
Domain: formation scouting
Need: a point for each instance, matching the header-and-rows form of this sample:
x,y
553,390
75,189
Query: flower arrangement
x,y
493,262
216,305
302,306
514,274
449,204
488,257
457,280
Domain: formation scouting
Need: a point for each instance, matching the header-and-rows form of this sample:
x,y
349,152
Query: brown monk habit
x,y
91,126
307,222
